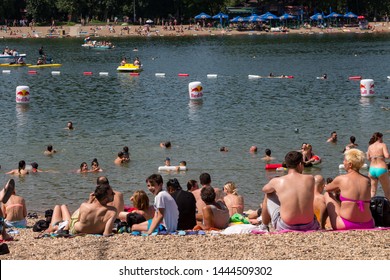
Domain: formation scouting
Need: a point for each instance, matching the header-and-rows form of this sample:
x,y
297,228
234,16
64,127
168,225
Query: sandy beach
x,y
324,245
118,31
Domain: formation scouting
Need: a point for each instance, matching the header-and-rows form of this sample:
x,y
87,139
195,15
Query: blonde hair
x,y
356,157
140,200
231,187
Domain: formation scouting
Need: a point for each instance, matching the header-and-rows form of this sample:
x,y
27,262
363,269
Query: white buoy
x,y
211,76
103,73
160,74
55,73
195,90
367,88
22,94
6,71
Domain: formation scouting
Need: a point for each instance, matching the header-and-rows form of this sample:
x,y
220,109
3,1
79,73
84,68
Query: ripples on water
x,y
110,112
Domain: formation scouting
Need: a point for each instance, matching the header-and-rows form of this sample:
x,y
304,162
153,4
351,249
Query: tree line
x,y
45,11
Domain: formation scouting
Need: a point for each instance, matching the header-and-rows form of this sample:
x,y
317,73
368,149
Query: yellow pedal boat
x,y
14,64
46,65
129,67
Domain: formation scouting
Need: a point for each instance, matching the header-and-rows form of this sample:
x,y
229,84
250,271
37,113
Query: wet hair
x,y
81,165
191,184
140,200
155,178
207,194
352,139
293,159
230,187
183,162
49,148
95,161
205,179
21,165
223,149
120,154
375,137
34,165
355,157
268,152
173,184
126,149
167,144
101,191
329,180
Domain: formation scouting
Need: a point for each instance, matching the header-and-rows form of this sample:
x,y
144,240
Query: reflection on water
x,y
193,108
21,114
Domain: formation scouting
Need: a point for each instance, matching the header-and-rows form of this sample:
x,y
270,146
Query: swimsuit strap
x,y
360,203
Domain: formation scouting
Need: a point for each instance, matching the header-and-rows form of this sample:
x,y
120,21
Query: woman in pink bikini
x,y
353,210
15,211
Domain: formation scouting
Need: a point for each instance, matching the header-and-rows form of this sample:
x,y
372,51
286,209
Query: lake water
x,y
140,112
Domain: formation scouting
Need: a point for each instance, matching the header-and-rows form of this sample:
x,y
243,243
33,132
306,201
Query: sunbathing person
x,y
215,213
288,200
319,200
140,201
15,211
5,194
94,217
353,212
234,202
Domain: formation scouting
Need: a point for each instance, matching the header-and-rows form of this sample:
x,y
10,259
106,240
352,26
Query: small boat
x,y
45,65
8,56
98,46
14,64
129,67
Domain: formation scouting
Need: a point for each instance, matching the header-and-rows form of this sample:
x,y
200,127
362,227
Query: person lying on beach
x,y
215,213
233,201
288,200
15,211
49,151
186,204
21,169
5,194
91,218
167,213
353,209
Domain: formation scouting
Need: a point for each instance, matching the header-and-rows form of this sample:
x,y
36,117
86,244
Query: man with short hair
x,y
288,201
333,137
167,213
95,217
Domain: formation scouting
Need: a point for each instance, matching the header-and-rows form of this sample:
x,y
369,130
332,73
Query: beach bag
x,y
380,210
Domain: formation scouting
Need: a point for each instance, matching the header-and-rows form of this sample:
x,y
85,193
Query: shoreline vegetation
x,y
320,245
119,31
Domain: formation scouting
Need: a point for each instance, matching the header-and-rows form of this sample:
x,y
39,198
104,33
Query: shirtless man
x,y
94,217
118,202
333,137
49,150
319,200
267,156
288,201
204,180
120,159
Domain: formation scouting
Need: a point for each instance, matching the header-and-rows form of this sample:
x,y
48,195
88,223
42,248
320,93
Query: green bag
x,y
238,218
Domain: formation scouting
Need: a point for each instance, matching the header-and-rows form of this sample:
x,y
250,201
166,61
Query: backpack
x,y
380,210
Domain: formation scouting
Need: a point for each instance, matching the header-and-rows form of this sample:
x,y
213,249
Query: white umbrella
x,y
149,21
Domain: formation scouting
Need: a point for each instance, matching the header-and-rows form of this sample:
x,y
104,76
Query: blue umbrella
x,y
334,15
287,16
238,19
317,16
202,16
269,15
220,15
254,18
350,15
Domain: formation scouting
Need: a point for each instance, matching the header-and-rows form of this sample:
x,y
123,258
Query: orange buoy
x,y
183,75
33,72
87,73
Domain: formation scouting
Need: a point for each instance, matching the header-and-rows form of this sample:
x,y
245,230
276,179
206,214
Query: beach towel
x,y
239,229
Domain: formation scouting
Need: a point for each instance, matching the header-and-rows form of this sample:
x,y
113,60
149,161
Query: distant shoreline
x,y
119,31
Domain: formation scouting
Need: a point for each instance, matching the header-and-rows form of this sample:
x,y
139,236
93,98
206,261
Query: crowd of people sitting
x,y
295,201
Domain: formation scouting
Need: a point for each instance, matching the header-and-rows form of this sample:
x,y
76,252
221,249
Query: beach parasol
x,y
220,16
287,16
268,15
350,15
149,21
317,16
334,15
254,18
202,16
238,19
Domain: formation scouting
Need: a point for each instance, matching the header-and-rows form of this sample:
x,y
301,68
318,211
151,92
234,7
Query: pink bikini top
x,y
360,203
